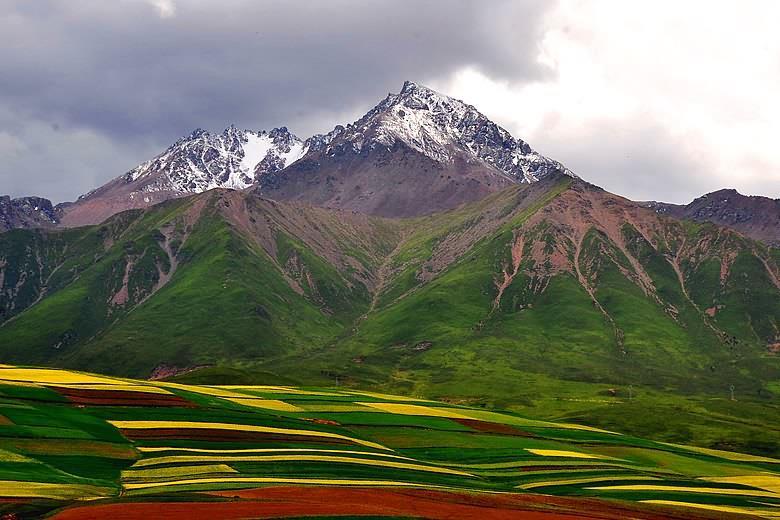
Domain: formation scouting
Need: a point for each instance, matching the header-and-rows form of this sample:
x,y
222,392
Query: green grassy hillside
x,y
557,300
75,445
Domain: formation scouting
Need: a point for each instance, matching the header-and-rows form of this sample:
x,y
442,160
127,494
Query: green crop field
x,y
70,437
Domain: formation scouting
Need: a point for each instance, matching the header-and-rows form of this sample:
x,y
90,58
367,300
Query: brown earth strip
x,y
490,427
121,397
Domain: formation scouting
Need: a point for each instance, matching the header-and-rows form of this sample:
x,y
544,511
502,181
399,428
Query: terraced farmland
x,y
76,446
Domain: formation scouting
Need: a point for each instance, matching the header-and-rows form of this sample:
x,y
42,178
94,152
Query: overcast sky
x,y
651,100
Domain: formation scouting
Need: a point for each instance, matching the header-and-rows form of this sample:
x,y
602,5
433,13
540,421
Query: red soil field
x,y
490,427
296,501
121,398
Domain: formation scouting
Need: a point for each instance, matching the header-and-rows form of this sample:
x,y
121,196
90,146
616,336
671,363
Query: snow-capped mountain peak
x,y
234,159
442,128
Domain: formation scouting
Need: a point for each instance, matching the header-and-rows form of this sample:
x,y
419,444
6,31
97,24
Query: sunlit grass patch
x,y
388,397
177,471
16,489
9,456
268,404
415,409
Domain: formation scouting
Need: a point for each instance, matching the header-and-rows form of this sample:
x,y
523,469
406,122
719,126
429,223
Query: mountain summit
x,y
441,128
416,152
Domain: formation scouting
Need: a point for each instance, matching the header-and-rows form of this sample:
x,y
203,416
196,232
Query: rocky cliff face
x,y
26,212
756,217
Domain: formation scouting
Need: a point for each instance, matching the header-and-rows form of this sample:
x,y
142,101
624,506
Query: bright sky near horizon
x,y
652,100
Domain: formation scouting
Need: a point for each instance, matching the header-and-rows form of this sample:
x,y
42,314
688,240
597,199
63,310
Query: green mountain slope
x,y
555,298
198,281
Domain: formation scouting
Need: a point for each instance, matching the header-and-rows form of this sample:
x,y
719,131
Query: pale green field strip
x,y
505,468
415,409
728,455
484,415
184,459
156,449
147,425
689,489
462,413
584,463
270,390
625,473
16,489
177,471
207,390
764,513
268,404
587,480
275,480
388,397
337,408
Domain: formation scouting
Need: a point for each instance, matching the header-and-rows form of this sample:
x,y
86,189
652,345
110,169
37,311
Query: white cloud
x,y
703,76
165,8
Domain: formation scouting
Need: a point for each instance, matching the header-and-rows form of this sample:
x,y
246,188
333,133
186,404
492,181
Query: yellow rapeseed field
x,y
50,376
765,481
267,404
564,453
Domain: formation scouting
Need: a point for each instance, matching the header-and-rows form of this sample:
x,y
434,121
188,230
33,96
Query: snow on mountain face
x,y
440,127
233,159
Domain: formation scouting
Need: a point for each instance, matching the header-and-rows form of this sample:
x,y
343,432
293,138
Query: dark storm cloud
x,y
90,88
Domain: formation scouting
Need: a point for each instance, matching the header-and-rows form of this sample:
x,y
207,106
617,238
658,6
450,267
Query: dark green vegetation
x,y
68,436
557,300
